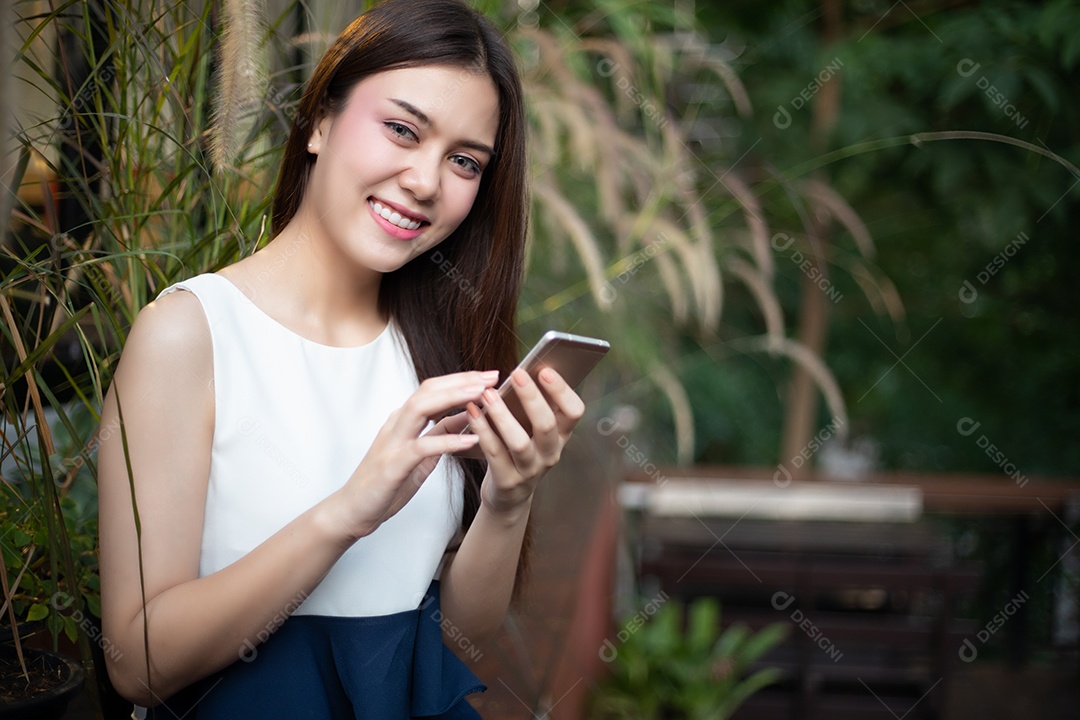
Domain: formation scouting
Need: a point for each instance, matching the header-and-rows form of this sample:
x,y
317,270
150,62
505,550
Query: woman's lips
x,y
391,220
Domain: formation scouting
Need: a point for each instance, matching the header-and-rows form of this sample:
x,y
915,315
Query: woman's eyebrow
x,y
424,120
413,110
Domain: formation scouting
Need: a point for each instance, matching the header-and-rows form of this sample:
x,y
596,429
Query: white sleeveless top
x,y
292,420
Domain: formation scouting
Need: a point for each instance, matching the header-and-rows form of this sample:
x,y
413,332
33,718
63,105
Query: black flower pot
x,y
49,704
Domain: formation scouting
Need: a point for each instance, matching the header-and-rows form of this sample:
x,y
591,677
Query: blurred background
x,y
830,467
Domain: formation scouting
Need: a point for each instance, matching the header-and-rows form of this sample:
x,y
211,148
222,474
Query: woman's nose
x,y
421,178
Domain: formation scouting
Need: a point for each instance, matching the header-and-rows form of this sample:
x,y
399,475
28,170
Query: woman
x,y
305,535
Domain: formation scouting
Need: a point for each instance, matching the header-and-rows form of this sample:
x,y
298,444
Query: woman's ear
x,y
320,133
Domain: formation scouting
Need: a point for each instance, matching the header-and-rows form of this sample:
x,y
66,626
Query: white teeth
x,y
394,217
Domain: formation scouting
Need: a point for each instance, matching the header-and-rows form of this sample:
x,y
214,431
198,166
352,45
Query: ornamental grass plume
x,y
241,81
8,158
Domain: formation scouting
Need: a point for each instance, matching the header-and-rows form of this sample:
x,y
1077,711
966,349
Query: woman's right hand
x,y
402,455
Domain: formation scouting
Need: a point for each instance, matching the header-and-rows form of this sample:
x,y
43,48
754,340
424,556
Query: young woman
x,y
308,526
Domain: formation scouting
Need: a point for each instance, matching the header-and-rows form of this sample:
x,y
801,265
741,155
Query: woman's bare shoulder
x,y
171,329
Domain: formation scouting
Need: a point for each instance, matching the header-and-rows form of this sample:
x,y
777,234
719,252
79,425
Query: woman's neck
x,y
308,288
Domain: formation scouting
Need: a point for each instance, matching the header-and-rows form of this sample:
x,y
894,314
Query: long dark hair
x,y
452,321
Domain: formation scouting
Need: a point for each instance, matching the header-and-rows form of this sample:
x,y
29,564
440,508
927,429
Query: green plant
x,y
662,671
941,212
30,547
129,204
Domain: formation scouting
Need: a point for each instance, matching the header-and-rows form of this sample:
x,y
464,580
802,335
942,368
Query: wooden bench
x,y
870,604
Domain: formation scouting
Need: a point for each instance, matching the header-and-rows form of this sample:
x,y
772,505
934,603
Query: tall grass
x,y
129,205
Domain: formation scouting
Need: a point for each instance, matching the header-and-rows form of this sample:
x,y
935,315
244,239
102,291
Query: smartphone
x,y
572,356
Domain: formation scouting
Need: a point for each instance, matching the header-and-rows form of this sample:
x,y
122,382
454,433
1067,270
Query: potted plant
x,y
48,572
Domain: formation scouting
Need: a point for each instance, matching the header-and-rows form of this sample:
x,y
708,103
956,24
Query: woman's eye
x,y
468,164
402,131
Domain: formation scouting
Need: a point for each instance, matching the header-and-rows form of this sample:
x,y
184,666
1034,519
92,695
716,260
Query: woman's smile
x,y
396,220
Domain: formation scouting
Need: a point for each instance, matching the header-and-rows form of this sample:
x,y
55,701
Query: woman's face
x,y
399,166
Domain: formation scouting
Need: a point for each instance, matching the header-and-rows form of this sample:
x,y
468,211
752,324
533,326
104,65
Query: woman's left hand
x,y
516,461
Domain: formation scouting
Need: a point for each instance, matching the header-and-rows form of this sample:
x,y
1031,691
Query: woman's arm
x,y
477,581
196,626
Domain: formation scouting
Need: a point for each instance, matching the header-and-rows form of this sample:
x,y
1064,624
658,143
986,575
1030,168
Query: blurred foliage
x,y
648,227
664,669
940,213
975,233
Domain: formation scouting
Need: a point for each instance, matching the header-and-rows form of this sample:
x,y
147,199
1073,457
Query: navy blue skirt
x,y
325,668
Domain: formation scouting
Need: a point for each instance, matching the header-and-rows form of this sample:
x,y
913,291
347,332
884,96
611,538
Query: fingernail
x,y
547,375
490,396
490,373
520,377
464,442
474,412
